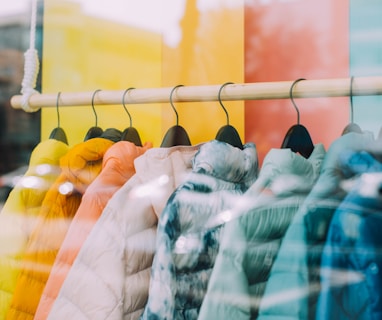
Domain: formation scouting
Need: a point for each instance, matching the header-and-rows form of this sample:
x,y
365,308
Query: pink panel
x,y
287,40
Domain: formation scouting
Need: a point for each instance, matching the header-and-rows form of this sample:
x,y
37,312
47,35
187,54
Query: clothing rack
x,y
336,87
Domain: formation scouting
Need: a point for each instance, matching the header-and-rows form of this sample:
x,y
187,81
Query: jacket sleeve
x,y
95,285
80,227
293,286
227,295
286,291
19,214
41,250
350,276
162,282
13,239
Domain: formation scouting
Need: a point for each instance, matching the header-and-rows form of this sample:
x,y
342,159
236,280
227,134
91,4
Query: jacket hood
x,y
47,152
352,141
284,171
82,164
332,173
45,158
228,163
173,160
364,172
42,171
120,157
161,170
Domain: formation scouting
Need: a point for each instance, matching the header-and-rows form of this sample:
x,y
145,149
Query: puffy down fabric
x,y
19,214
293,286
110,277
188,238
351,280
80,166
117,168
250,242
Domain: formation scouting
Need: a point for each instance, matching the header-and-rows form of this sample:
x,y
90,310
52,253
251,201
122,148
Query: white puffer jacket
x,y
110,276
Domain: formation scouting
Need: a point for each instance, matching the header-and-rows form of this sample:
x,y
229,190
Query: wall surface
x,y
288,40
203,42
84,50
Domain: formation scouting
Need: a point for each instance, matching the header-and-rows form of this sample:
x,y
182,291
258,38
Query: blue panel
x,y
366,58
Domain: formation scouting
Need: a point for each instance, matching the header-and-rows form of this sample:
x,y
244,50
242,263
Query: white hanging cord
x,y
31,65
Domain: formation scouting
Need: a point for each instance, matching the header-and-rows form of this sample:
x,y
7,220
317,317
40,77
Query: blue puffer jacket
x,y
293,286
351,268
186,248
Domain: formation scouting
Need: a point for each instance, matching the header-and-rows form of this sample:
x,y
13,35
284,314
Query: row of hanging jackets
x,y
111,230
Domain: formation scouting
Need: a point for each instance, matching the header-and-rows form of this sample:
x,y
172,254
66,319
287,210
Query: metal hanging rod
x,y
336,87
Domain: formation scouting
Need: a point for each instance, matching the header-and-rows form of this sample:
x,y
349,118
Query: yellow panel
x,y
199,43
86,53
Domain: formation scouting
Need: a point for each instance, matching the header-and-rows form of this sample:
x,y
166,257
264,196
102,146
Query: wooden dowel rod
x,y
336,87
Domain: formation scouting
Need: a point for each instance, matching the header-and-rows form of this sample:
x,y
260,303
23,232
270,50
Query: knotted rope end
x,y
31,69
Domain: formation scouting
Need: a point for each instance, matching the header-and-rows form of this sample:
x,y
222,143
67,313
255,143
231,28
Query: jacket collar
x,y
284,171
82,164
225,162
119,158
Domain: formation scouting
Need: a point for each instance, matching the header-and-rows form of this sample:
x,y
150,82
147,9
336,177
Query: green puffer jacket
x,y
250,242
293,287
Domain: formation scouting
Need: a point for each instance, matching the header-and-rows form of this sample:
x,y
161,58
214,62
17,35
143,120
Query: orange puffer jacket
x,y
80,166
118,167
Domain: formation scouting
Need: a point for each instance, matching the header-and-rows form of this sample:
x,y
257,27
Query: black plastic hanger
x,y
351,127
130,134
94,132
228,133
176,135
297,137
111,134
58,133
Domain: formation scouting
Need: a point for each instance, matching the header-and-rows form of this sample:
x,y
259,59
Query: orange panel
x,y
202,56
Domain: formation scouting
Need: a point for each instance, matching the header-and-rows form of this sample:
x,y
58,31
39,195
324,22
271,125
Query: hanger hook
x,y
172,104
220,100
95,113
58,112
351,100
291,98
124,106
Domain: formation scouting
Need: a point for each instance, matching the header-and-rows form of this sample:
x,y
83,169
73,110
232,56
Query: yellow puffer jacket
x,y
18,215
80,166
